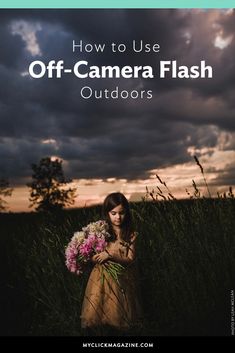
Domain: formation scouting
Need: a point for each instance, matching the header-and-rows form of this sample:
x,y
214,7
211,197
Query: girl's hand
x,y
101,257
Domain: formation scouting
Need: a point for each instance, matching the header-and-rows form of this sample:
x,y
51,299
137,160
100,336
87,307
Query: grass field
x,y
185,258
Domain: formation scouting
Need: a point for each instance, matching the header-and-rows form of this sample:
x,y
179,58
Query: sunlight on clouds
x,y
111,180
192,150
178,178
221,42
188,37
28,31
49,141
217,161
52,142
226,140
19,202
24,73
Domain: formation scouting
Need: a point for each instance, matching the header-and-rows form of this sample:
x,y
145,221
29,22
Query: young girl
x,y
108,303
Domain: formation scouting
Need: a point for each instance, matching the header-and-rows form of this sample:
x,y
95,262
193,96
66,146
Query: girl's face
x,y
117,215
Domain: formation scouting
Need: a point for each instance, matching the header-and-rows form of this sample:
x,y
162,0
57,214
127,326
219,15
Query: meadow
x,y
185,260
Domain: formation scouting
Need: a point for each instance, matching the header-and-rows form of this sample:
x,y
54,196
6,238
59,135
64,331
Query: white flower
x,y
99,229
79,236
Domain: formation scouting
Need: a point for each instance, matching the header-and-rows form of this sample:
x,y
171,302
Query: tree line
x,y
49,188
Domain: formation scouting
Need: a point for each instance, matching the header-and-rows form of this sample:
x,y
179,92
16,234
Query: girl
x,y
110,304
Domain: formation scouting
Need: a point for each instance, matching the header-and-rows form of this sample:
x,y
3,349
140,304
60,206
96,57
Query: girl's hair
x,y
111,201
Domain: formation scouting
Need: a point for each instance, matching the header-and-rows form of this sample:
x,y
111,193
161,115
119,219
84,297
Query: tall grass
x,y
185,259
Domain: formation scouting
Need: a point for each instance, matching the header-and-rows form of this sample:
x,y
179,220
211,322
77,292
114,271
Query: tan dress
x,y
108,302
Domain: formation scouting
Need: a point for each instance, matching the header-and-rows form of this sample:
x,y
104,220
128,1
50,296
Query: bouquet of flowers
x,y
91,240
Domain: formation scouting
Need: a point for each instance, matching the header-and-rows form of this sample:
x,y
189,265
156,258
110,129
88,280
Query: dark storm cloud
x,y
225,176
113,138
11,47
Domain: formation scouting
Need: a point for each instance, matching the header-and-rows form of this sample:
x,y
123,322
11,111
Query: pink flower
x,y
84,244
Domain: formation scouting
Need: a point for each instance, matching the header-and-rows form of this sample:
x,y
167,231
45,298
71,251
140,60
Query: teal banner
x,y
119,4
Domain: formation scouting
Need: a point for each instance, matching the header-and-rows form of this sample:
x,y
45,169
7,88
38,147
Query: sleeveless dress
x,y
108,302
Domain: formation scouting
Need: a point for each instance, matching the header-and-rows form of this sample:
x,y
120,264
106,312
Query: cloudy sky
x,y
118,144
